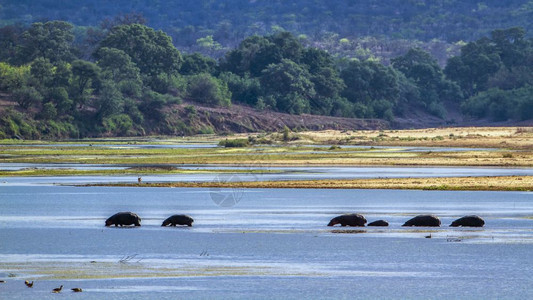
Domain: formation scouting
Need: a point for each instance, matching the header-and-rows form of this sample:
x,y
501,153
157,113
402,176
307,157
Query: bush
x,y
118,124
206,89
236,143
27,96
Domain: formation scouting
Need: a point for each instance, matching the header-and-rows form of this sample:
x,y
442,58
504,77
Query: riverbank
x,y
485,183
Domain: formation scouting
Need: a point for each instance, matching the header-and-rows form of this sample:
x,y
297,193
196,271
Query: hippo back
x,y
348,220
178,220
382,223
469,221
423,220
123,218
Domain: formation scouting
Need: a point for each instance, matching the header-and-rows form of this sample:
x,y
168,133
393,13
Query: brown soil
x,y
241,119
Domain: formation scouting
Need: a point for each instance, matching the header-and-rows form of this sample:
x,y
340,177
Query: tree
x,y
255,53
472,69
27,97
109,102
291,83
243,89
368,81
85,77
196,63
116,65
424,71
10,38
51,40
151,51
207,89
41,73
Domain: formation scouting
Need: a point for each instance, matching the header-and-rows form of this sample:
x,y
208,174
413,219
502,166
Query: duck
x,y
57,290
28,284
2,281
77,290
428,236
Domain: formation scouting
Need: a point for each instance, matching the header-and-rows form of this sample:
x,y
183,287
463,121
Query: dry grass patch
x,y
485,183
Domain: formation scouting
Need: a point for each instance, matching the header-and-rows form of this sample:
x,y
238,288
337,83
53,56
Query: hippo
x,y
178,220
468,221
123,218
424,220
379,223
348,220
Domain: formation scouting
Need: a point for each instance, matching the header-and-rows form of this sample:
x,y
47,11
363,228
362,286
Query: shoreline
x,y
483,183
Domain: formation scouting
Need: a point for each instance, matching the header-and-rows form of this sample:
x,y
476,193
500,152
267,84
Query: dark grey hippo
x,y
424,221
178,220
382,223
468,221
123,219
355,220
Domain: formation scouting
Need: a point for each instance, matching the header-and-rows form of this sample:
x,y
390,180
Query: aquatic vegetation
x,y
484,183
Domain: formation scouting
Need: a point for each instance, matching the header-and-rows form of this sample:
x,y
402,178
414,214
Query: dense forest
x,y
124,77
361,29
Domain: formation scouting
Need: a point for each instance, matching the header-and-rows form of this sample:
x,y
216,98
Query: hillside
x,y
362,28
122,77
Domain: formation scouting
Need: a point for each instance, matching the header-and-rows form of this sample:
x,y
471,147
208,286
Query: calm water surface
x,y
262,243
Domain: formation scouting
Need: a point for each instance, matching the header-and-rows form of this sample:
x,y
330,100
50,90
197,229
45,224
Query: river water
x,y
261,244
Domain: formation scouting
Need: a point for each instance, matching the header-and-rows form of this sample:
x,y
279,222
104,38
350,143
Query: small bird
x,y
77,290
57,290
28,284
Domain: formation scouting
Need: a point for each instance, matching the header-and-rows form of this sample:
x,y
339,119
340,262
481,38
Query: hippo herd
x,y
129,218
354,220
419,221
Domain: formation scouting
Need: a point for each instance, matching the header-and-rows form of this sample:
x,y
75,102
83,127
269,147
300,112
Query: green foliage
x,y
49,111
243,89
496,74
12,78
138,75
426,82
204,88
27,97
51,40
151,51
369,85
15,125
117,66
152,106
118,124
290,83
85,78
501,105
109,102
235,143
59,96
196,63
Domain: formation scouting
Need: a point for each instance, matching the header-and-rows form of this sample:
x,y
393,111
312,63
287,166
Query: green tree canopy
x,y
152,51
196,63
51,40
291,84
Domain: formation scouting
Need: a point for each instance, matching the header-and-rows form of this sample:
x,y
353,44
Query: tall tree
x,y
51,40
290,83
152,51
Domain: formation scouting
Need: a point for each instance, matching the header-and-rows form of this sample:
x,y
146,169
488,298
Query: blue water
x,y
261,243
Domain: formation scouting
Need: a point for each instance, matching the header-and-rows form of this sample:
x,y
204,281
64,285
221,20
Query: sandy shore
x,y
485,183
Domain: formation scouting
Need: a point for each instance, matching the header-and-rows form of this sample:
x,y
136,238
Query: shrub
x,y
206,89
236,143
